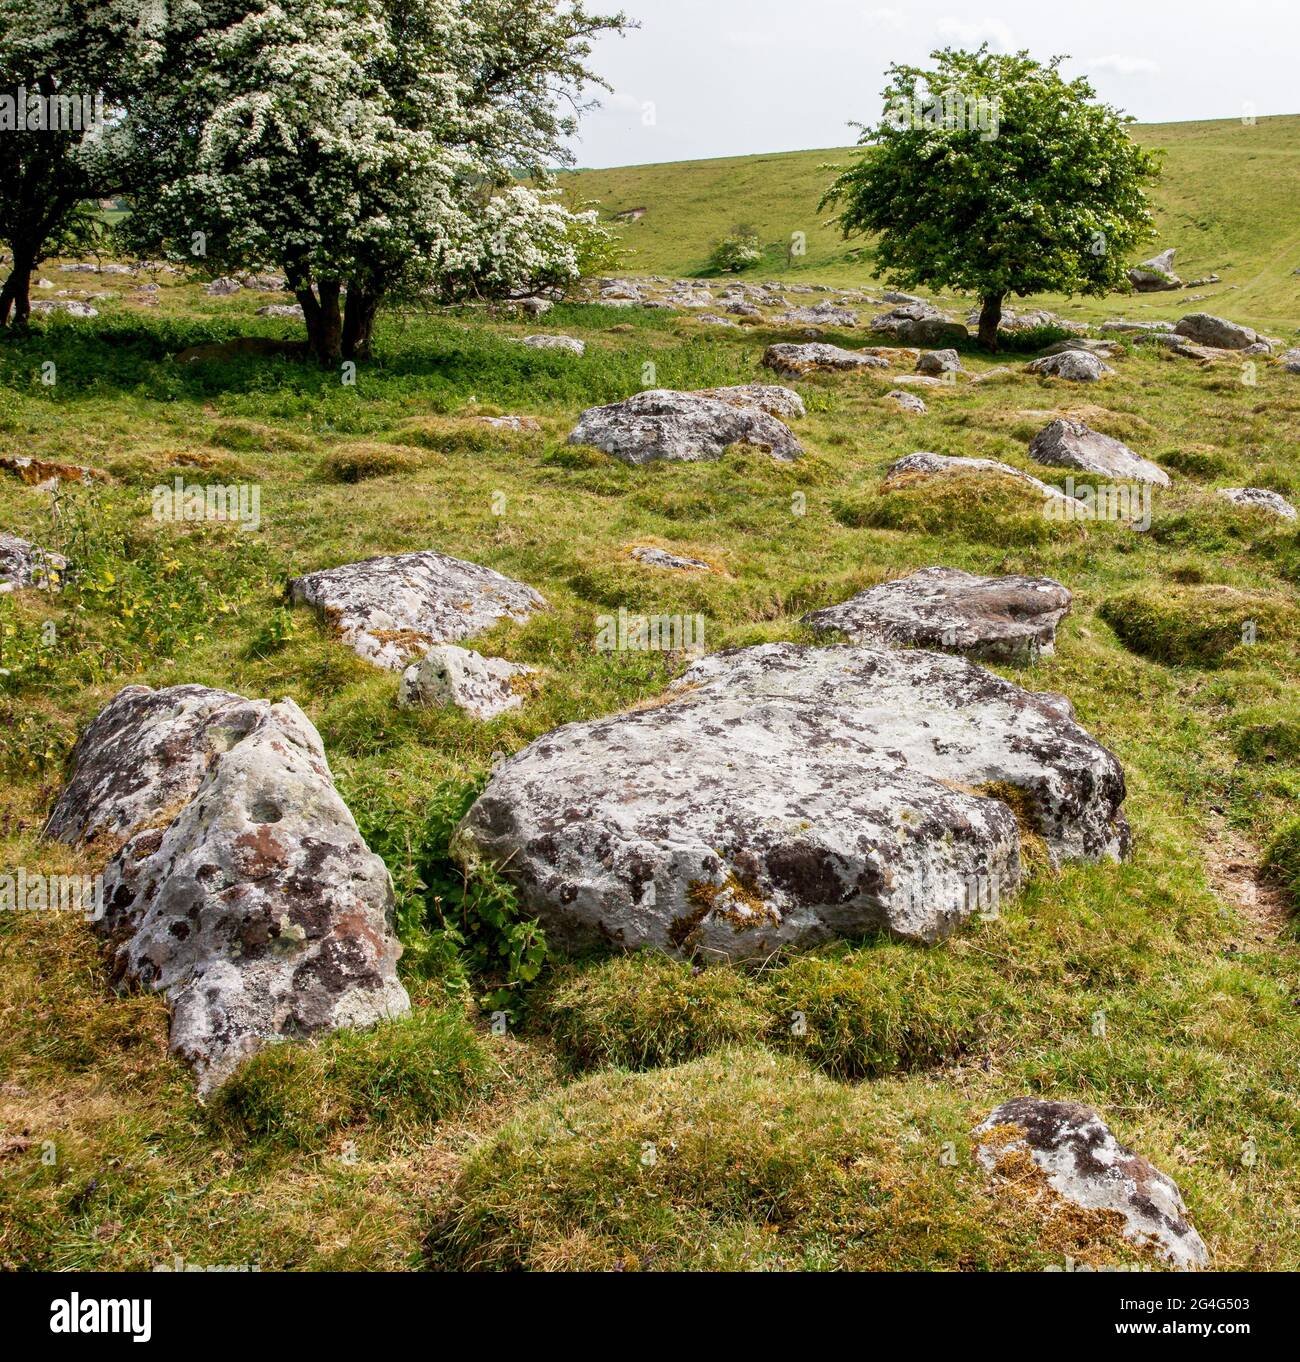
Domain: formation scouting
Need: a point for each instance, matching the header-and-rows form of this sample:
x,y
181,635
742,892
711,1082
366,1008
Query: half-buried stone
x,y
392,610
995,619
924,465
1259,498
23,565
1071,444
797,360
664,425
661,558
484,687
1080,1161
240,886
786,795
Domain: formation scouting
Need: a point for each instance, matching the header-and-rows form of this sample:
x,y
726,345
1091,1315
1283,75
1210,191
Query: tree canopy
x,y
366,147
993,174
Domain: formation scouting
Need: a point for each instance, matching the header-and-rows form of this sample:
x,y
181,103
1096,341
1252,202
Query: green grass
x,y
783,1145
1225,201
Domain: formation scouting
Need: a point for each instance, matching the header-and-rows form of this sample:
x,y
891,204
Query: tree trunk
x,y
990,320
359,322
324,321
16,297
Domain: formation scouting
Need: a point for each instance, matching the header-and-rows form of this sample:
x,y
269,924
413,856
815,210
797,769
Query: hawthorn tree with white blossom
x,y
368,148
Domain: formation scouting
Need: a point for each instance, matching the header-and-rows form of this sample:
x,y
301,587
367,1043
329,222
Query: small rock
x,y
1261,499
223,288
908,402
661,558
937,362
483,687
293,310
569,344
1083,1163
23,565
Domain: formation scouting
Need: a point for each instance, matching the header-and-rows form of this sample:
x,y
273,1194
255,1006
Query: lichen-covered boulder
x,y
1258,498
994,619
240,886
1071,444
1075,366
484,687
908,402
797,360
391,610
783,403
1217,332
664,425
23,565
1080,1161
786,795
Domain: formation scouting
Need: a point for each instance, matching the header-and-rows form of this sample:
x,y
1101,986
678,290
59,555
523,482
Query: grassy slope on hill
x,y
1162,992
1227,201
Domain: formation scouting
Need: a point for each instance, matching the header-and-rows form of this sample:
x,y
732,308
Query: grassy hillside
x,y
433,1141
1227,201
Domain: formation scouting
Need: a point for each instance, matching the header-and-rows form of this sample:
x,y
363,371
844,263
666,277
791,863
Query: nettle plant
x,y
1043,192
371,149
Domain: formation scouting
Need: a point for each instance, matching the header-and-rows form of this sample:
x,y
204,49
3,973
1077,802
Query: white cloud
x,y
1122,65
886,18
993,31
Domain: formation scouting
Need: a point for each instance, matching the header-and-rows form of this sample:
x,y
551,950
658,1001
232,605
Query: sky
x,y
703,78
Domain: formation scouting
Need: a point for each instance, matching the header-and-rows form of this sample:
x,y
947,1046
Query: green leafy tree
x,y
63,68
992,174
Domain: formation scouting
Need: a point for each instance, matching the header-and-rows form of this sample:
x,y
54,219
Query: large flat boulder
x,y
1067,443
816,358
1080,1161
391,610
23,565
240,886
995,619
1216,332
663,425
785,795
